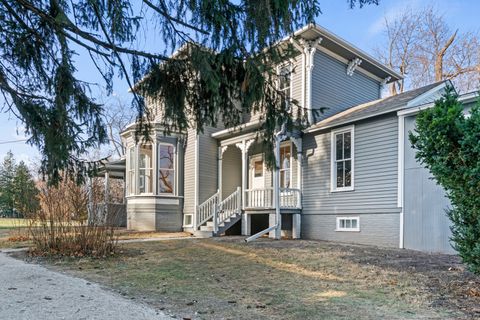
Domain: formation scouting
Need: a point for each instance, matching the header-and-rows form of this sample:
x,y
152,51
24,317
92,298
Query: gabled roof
x,y
409,99
347,51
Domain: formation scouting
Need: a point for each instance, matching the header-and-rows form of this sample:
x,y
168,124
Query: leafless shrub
x,y
60,227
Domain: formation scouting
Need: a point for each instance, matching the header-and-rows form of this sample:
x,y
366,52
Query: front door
x,y
257,182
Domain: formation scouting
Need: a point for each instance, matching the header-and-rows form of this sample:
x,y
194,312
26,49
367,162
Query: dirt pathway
x,y
29,291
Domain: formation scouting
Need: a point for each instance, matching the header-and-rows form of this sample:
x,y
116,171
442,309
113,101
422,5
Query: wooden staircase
x,y
215,217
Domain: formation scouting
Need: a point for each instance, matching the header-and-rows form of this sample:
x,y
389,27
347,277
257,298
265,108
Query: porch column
x,y
221,151
298,145
106,195
244,146
246,224
296,225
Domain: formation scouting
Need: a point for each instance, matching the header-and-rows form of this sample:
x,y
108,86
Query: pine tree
x,y
25,192
231,58
7,194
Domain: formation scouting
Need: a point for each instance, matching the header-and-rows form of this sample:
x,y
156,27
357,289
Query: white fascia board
x,y
466,98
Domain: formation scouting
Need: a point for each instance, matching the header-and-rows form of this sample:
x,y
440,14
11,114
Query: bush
x,y
60,226
448,144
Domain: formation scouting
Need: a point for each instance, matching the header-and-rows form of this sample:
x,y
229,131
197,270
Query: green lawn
x,y
228,279
10,223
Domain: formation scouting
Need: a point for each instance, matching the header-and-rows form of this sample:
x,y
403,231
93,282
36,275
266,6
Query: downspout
x,y
276,188
401,173
197,184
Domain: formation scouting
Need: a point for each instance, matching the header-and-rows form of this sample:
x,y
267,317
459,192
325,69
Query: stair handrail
x,y
206,210
228,207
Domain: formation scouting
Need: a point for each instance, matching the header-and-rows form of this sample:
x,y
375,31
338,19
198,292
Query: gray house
x,y
350,177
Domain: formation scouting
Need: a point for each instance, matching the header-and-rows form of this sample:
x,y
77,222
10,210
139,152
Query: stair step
x,y
203,234
206,228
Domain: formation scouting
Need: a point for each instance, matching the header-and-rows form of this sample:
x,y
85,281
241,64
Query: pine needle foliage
x,y
448,144
227,72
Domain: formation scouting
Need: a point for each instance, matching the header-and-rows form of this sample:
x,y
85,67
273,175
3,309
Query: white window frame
x,y
174,191
333,168
149,168
282,145
131,172
185,220
288,65
343,229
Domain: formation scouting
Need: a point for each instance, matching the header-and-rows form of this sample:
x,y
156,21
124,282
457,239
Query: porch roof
x,y
412,98
116,169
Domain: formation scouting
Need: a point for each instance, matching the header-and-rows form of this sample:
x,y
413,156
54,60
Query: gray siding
x,y
189,172
375,229
427,227
168,217
375,182
296,89
336,91
208,164
231,170
150,213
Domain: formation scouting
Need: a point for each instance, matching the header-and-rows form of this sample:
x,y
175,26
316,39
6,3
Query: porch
x,y
246,188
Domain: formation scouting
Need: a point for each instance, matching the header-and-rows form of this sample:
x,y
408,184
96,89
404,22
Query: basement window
x,y
348,224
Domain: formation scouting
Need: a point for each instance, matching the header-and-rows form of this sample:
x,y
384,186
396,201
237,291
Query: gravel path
x,y
30,291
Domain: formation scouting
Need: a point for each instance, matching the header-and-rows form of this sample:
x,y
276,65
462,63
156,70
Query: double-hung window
x,y
145,168
285,161
284,84
166,168
342,159
131,171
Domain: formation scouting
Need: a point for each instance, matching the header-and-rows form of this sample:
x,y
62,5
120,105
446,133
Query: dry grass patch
x,y
227,279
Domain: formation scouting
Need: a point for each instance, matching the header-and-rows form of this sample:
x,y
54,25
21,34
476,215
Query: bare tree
x,y
117,116
422,47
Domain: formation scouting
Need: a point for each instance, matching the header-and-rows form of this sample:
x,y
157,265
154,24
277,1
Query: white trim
x,y
344,229
333,187
251,169
466,98
415,101
289,144
401,166
175,171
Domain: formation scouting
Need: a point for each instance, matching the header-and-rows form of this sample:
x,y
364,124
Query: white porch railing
x,y
262,198
228,207
259,198
206,209
290,198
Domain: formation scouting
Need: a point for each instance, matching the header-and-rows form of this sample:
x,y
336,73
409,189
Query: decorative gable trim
x,y
352,65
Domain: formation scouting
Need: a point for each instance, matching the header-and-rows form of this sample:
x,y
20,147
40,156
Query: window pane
x,y
258,168
132,158
342,223
166,156
339,146
347,145
348,224
166,179
141,181
354,223
348,173
339,174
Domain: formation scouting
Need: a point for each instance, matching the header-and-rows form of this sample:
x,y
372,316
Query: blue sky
x,y
362,27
